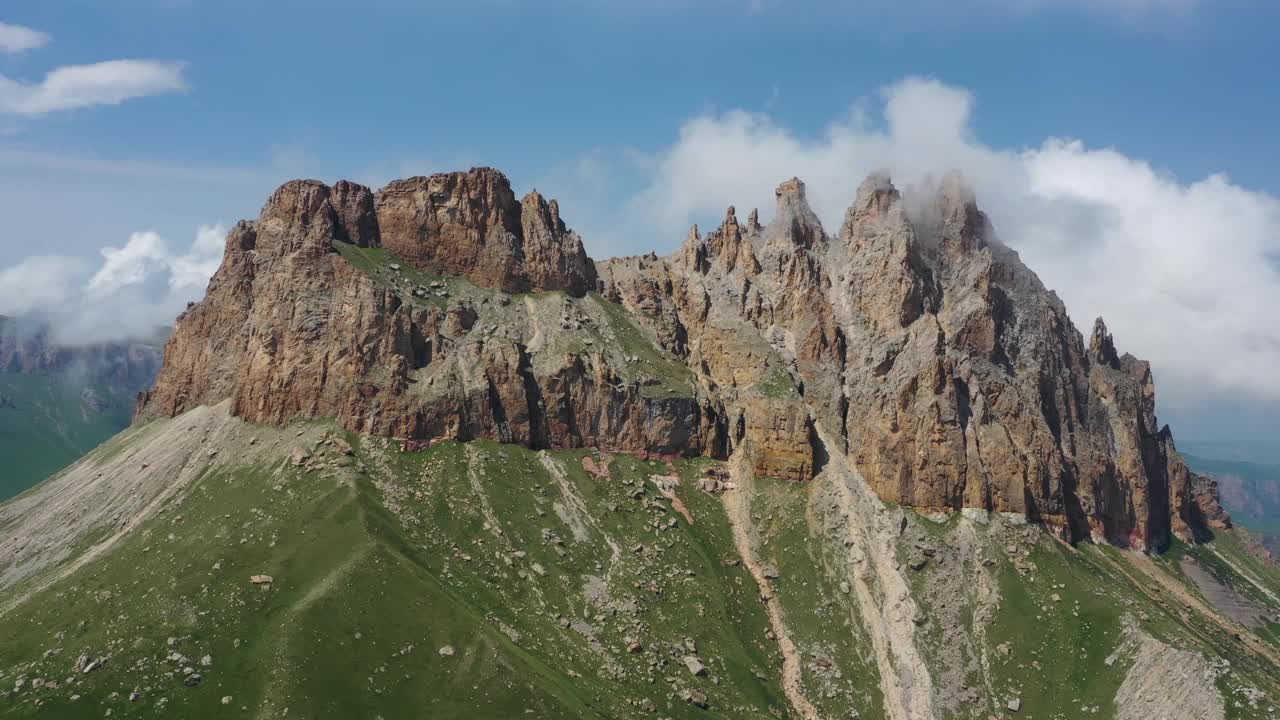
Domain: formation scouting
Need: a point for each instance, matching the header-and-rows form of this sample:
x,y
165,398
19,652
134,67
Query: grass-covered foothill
x,y
476,581
482,580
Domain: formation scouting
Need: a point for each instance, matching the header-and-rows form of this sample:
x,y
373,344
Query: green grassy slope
x,y
482,580
376,573
45,426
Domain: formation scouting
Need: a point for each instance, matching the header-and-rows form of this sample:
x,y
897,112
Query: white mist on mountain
x,y
1185,273
137,288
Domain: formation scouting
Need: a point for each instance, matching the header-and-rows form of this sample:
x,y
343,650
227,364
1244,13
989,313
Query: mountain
x,y
921,349
416,454
1250,491
58,401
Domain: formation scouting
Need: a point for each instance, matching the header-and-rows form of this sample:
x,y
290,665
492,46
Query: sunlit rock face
x,y
912,340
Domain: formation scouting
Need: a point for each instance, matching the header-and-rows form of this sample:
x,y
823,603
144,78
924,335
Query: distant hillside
x,y
59,402
1250,492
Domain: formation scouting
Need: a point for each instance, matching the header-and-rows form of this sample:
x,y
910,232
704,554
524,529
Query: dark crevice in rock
x,y
420,348
537,404
498,412
821,456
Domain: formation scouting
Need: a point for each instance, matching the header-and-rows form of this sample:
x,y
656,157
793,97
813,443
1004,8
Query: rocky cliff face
x,y
311,316
920,346
469,224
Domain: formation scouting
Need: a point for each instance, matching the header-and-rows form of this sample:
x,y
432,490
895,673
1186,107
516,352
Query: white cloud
x,y
16,39
38,283
1186,274
105,83
137,288
146,256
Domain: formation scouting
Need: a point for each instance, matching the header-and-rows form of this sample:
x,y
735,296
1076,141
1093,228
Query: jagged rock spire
x,y
724,249
553,256
1101,345
791,194
794,223
876,195
963,228
884,272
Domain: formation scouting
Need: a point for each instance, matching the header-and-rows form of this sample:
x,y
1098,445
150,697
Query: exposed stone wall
x,y
921,346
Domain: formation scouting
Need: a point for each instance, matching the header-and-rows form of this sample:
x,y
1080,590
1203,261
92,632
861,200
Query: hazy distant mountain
x,y
58,401
1250,492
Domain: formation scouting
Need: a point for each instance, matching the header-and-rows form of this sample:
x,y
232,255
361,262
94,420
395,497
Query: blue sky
x,y
351,86
645,116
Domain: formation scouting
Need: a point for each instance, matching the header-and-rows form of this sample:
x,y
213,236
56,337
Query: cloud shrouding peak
x,y
137,288
1186,274
16,39
105,83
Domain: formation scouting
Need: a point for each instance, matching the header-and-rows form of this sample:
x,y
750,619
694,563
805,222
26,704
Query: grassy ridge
x,y
375,573
483,580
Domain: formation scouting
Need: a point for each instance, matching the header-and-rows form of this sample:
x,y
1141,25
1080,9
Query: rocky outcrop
x,y
290,327
938,362
913,341
469,224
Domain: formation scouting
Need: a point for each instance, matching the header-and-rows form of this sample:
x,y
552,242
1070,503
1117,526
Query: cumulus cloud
x,y
77,86
137,288
1187,274
38,283
16,39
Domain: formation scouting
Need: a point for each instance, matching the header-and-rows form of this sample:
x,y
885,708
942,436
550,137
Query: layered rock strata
x,y
921,346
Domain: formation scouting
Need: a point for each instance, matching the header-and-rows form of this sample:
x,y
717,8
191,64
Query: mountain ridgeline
x,y
416,454
911,341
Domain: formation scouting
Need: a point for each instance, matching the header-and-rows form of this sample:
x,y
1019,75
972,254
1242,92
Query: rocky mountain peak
x,y
724,249
1102,347
462,223
794,223
541,212
299,215
791,194
960,225
876,195
916,346
357,219
553,256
